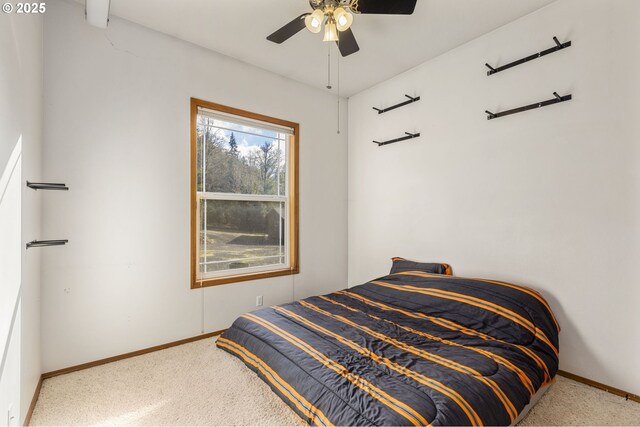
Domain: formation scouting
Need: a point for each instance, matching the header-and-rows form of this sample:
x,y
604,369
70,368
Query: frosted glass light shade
x,y
330,31
314,20
343,19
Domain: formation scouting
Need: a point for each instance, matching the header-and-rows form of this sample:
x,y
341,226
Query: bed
x,y
410,348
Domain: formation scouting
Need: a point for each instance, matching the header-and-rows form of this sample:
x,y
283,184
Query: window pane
x,y
233,158
241,234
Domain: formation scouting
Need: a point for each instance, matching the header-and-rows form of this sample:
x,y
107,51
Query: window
x,y
244,209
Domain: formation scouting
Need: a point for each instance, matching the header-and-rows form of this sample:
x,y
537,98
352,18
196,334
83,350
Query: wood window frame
x,y
293,172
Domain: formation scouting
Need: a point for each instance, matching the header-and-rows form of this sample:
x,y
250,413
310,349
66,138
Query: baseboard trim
x,y
34,400
128,355
592,383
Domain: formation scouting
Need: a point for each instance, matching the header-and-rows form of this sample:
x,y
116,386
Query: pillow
x,y
401,264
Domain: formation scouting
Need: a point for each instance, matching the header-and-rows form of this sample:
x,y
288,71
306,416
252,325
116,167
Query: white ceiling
x,y
389,45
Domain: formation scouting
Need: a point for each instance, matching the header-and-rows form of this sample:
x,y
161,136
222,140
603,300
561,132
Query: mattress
x,y
406,349
534,400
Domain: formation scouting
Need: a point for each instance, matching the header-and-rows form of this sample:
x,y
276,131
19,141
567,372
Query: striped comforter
x,y
406,349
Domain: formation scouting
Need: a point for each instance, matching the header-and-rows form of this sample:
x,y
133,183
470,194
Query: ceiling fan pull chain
x,y
338,90
328,66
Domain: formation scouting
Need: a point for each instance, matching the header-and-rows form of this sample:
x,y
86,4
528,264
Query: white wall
x,y
20,145
10,280
548,198
117,126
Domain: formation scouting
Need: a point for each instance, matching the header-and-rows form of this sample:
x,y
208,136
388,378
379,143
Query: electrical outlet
x,y
259,301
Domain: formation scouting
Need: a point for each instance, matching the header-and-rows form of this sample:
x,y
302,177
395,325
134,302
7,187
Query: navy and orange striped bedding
x,y
410,348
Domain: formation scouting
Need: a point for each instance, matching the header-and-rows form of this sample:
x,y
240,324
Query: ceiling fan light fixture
x,y
330,31
313,21
343,19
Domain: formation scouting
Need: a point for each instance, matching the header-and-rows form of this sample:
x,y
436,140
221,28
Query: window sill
x,y
195,284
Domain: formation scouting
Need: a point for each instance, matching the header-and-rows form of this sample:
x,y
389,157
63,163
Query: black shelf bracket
x,y
402,138
42,243
556,99
46,186
411,100
557,47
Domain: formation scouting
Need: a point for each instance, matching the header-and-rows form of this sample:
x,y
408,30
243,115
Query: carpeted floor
x,y
197,384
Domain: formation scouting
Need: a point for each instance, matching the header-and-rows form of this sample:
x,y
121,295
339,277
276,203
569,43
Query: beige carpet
x,y
197,384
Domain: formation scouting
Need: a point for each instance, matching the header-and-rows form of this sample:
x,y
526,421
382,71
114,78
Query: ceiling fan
x,y
337,16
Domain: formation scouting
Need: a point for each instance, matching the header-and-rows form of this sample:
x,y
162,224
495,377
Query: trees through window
x,y
245,175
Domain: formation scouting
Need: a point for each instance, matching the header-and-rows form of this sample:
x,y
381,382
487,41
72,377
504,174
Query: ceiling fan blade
x,y
347,43
386,7
288,30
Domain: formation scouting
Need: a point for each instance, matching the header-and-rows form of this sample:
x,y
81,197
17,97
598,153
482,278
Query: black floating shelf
x,y
555,100
42,243
402,138
557,47
46,186
402,104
